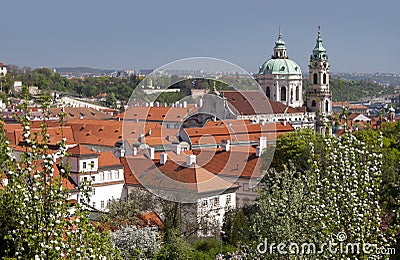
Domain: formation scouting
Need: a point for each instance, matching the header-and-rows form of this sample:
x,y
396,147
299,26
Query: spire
x,y
280,48
319,52
280,44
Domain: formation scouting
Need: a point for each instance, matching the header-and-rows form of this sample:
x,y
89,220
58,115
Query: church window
x,y
313,103
283,94
268,92
315,81
327,106
324,78
297,93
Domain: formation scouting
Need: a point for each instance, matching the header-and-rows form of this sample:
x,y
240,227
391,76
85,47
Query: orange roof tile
x,y
108,159
80,150
254,102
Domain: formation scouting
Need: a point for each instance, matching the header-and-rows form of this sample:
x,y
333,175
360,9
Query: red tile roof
x,y
174,177
254,102
108,159
79,150
157,114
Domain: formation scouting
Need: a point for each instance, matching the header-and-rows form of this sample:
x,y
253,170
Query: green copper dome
x,y
280,66
280,63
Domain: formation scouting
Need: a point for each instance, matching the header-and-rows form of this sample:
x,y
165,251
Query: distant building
x,y
3,69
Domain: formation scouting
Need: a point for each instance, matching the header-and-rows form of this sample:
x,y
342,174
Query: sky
x,y
359,36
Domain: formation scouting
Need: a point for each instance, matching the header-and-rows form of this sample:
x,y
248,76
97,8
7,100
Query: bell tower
x,y
319,96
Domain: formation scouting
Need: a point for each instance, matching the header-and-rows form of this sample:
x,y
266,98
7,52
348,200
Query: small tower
x,y
319,96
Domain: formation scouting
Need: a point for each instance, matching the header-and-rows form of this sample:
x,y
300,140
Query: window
x,y
117,175
283,93
297,93
313,103
93,191
268,92
109,174
324,78
102,204
94,204
315,78
204,203
246,187
84,165
228,199
327,106
93,178
216,202
92,164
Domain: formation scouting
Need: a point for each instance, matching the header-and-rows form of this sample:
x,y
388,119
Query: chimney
x,y
184,104
176,148
122,152
262,142
190,159
134,151
163,158
150,153
151,104
200,102
258,151
225,145
284,123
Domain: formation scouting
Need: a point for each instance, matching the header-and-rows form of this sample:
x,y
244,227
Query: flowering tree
x,y
336,200
36,219
142,243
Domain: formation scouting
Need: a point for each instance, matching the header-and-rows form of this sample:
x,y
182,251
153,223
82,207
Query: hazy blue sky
x,y
360,36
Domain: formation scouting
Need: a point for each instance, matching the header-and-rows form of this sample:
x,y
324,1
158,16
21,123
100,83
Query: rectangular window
x,y
92,164
228,199
117,175
216,202
93,191
102,204
204,203
94,204
84,165
109,175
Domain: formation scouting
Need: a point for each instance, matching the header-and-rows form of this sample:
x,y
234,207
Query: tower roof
x,y
319,52
280,44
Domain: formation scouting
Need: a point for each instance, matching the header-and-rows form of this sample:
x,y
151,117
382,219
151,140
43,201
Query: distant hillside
x,y
82,70
355,90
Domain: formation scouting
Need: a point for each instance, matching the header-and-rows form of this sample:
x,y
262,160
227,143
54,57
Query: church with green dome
x,y
281,77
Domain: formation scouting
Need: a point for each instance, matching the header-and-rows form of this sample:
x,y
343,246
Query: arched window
x,y
315,78
297,93
324,78
327,106
268,92
283,93
313,103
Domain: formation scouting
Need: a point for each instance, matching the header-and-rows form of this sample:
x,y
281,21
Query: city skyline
x,y
129,35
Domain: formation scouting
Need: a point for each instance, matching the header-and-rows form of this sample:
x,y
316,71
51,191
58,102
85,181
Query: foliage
x,y
353,89
338,192
35,218
133,243
294,147
237,225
